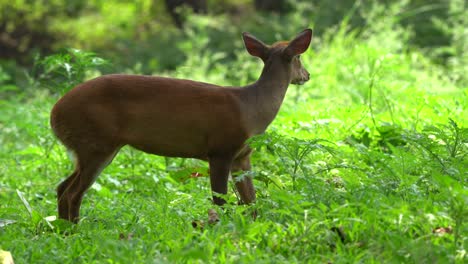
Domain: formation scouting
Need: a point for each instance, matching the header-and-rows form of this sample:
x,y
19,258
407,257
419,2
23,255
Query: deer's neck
x,y
262,99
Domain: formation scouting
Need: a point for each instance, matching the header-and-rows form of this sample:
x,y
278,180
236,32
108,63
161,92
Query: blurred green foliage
x,y
140,35
375,143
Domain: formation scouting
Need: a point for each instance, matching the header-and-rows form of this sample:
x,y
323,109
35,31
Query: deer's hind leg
x,y
63,206
89,164
244,184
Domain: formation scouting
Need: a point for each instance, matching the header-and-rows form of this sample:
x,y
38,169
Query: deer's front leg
x,y
243,184
219,175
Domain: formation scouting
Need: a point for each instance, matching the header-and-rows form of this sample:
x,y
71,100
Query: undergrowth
x,y
365,163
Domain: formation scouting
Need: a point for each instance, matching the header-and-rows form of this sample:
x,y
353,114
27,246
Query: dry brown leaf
x,y
442,230
198,224
213,217
122,236
196,175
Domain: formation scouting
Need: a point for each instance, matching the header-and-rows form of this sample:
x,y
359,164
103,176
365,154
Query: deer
x,y
174,118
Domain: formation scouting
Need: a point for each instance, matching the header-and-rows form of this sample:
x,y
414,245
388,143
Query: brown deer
x,y
174,118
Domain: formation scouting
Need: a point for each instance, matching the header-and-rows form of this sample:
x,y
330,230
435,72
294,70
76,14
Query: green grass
x,y
374,144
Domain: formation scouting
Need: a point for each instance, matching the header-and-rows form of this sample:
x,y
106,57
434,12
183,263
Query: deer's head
x,y
286,52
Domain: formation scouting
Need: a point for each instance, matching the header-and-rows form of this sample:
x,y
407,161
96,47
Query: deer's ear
x,y
300,43
254,46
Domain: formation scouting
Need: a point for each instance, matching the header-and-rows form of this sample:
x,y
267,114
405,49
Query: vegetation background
x,y
365,163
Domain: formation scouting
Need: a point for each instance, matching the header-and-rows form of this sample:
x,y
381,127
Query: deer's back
x,y
165,116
